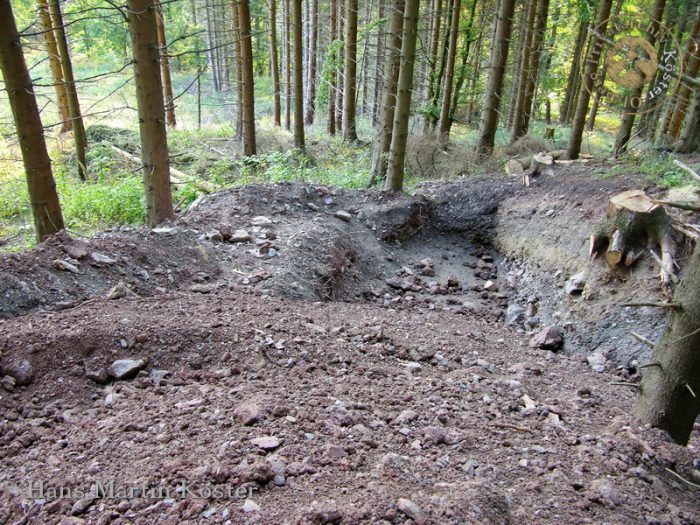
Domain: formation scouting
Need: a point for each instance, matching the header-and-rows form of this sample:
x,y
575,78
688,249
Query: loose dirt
x,y
337,357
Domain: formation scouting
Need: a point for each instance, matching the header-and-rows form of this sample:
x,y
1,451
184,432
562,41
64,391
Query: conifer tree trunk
x,y
55,64
210,39
391,70
462,76
248,106
684,94
524,76
287,66
350,91
533,69
432,69
515,76
236,26
333,84
624,132
274,65
298,78
445,113
46,209
670,387
587,81
73,103
434,112
339,80
566,106
399,134
313,60
165,68
689,140
381,58
149,97
494,88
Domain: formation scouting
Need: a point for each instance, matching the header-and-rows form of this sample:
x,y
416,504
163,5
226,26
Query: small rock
x,y
226,231
548,339
80,506
266,442
22,372
101,258
406,416
514,314
75,251
605,493
260,220
597,361
8,383
490,286
342,215
240,236
312,206
410,509
249,412
64,266
399,284
96,373
126,368
250,506
164,231
576,284
120,291
204,288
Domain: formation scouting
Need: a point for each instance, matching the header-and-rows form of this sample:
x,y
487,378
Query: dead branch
x,y
687,168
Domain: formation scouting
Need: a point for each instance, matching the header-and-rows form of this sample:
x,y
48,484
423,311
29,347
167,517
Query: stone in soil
x,y
240,236
548,339
126,368
21,371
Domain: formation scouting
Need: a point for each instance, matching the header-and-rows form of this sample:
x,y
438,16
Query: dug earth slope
x,y
340,357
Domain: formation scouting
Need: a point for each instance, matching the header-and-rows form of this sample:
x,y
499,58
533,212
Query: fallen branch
x,y
642,339
177,177
687,168
683,479
679,205
653,305
682,228
512,427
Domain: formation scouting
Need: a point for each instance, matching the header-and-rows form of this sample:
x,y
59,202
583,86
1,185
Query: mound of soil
x,y
294,353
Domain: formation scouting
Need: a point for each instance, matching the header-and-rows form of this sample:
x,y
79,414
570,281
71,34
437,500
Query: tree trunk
x,y
298,79
210,40
434,111
515,80
689,140
381,57
236,26
671,386
587,81
287,66
499,58
248,103
311,78
73,102
462,75
399,134
339,80
566,106
55,63
333,84
274,64
46,209
534,67
525,74
165,68
445,113
149,97
436,17
349,108
624,132
391,69
685,91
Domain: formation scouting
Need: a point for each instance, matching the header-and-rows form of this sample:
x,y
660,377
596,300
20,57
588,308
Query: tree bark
x,y
46,209
248,106
349,106
333,84
566,106
236,26
670,388
689,140
149,97
287,66
298,78
165,68
339,80
436,17
399,134
73,103
587,81
684,95
381,57
55,64
391,70
311,78
434,111
525,74
445,113
465,55
624,132
499,58
274,65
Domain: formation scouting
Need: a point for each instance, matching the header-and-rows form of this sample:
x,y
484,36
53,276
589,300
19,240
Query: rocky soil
x,y
302,354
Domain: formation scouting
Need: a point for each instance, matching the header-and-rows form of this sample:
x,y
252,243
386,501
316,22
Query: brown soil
x,y
381,379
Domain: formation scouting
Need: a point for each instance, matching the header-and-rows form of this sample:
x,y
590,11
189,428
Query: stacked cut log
x,y
527,168
634,224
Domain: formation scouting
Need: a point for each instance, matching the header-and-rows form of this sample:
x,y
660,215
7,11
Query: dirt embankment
x,y
340,357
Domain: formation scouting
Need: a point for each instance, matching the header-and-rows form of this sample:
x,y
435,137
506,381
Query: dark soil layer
x,y
369,340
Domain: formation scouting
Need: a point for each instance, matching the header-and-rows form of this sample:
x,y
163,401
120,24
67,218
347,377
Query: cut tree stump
x,y
635,223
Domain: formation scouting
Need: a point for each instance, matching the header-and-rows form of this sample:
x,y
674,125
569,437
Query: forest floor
x,y
339,356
